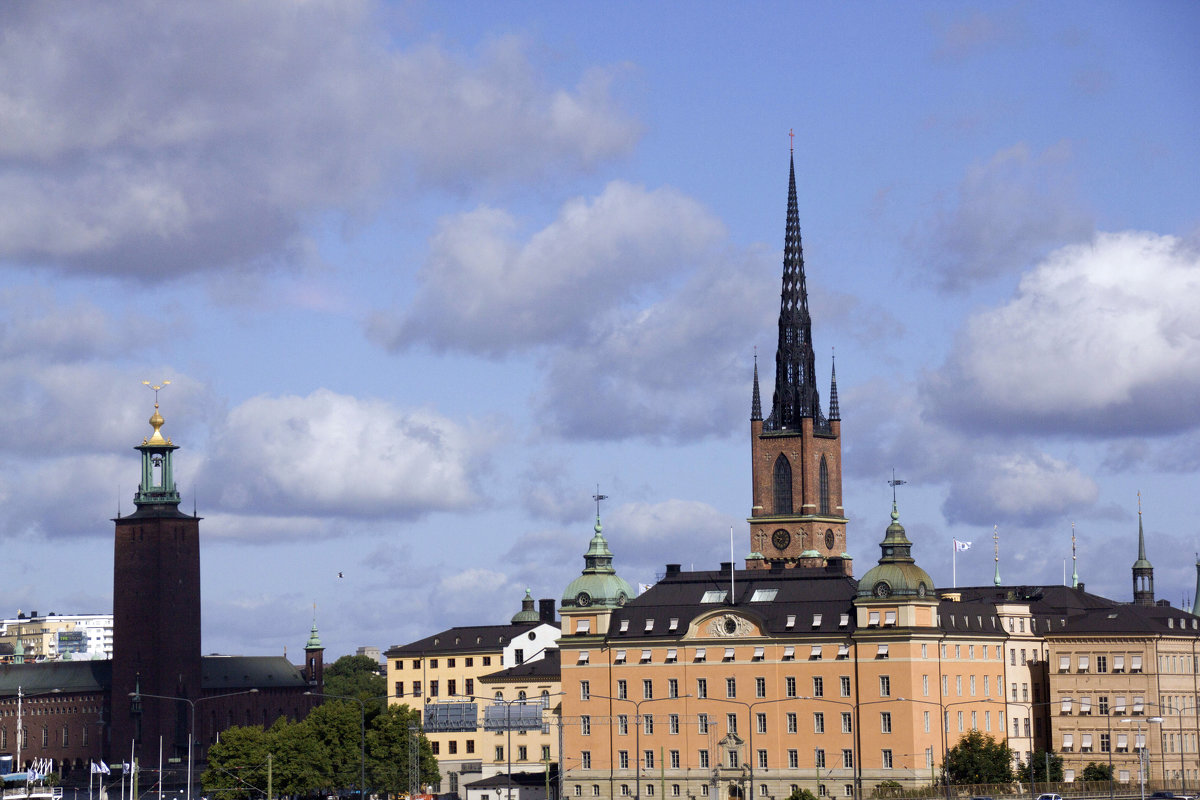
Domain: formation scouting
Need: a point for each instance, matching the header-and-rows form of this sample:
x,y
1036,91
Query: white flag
x,y
958,546
104,768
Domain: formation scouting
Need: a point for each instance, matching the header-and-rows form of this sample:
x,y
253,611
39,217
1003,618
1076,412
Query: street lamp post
x,y
1142,748
637,718
192,735
20,724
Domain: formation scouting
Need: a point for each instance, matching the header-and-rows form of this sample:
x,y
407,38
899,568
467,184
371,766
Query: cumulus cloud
x,y
1007,212
1101,339
154,139
332,455
1016,486
484,291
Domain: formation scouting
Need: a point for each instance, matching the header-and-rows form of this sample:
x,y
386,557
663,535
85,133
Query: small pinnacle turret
x,y
756,399
835,412
1196,594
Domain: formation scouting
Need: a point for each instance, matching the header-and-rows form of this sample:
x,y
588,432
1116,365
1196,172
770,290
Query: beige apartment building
x,y
441,675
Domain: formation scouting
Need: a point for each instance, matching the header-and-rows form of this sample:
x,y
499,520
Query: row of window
x,y
451,663
1084,663
64,738
677,791
790,687
1102,705
435,688
732,759
521,751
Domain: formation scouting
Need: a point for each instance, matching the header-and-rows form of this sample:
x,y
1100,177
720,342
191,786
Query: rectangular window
x,y
970,651
399,688
647,689
846,726
762,759
960,722
701,687
674,723
585,690
702,723
453,747
818,722
487,661
675,761
958,684
585,725
760,721
972,686
791,722
731,687
522,752
647,724
433,663
499,750
885,686
926,713
623,724
1102,703
622,689
885,722
623,759
648,759
470,685
924,686
416,688
672,687
819,758
471,747
731,723
1101,663
585,759
1105,743
793,759
818,686
703,760
887,759
845,683
790,685
433,688
848,759
760,687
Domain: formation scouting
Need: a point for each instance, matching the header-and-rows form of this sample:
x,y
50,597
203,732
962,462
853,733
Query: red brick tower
x,y
156,611
797,518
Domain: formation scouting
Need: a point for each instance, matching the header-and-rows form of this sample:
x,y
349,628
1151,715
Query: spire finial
x,y
894,482
791,141
996,552
156,420
1074,561
598,497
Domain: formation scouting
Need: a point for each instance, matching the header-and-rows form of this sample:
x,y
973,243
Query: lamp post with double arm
x,y
192,735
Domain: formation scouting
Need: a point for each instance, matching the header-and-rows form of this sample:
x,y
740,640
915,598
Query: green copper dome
x,y
527,612
599,585
897,574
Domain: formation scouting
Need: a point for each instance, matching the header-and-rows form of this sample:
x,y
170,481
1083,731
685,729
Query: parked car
x,y
1049,797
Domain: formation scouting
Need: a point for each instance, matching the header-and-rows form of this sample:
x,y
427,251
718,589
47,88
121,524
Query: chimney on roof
x,y
672,569
546,610
726,566
1080,587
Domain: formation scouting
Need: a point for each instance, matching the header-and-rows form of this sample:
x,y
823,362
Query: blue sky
x,y
424,275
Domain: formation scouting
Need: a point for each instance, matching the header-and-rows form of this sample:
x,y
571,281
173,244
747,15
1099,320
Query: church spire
x,y
795,395
835,412
756,400
1143,570
157,486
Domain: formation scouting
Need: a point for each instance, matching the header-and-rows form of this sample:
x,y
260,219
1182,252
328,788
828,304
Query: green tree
x,y
1097,772
1039,774
355,676
387,751
978,758
237,765
335,726
299,764
801,794
888,789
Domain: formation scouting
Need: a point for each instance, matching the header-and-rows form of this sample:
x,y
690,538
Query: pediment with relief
x,y
727,626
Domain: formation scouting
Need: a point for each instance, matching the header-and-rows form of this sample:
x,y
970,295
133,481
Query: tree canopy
x,y
1046,767
359,677
325,752
1097,772
978,758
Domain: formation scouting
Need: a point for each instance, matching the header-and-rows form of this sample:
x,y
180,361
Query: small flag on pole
x,y
960,546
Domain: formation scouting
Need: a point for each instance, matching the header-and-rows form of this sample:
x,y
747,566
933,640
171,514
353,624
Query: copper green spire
x,y
314,639
1143,570
996,555
527,613
157,486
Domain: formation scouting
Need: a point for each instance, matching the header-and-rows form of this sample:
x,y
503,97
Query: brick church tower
x,y
797,518
156,611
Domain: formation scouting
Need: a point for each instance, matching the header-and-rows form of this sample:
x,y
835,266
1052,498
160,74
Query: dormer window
x,y
844,620
673,625
816,620
889,618
791,621
624,626
763,595
714,596
873,618
649,625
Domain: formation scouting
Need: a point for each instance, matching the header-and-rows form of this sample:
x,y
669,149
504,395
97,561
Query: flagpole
x,y
954,566
160,767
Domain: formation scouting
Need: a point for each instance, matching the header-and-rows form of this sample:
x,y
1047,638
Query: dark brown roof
x,y
548,667
247,672
69,676
465,639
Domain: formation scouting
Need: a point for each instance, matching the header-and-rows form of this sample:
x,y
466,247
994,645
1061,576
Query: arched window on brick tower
x,y
783,485
824,486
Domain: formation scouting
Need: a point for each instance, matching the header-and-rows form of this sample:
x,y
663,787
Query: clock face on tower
x,y
781,539
829,540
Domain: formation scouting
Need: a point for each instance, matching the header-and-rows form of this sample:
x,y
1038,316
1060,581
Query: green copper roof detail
x,y
1142,562
527,613
599,585
897,573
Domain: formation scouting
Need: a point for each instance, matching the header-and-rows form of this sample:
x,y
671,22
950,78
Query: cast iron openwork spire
x,y
795,394
835,411
756,400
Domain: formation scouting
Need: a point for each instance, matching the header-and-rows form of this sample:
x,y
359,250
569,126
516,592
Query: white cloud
x,y
484,291
1007,212
1016,486
1102,339
156,139
331,455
